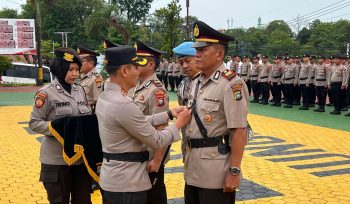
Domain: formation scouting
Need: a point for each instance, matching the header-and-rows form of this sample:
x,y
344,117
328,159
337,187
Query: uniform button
x,y
201,91
208,109
213,154
190,129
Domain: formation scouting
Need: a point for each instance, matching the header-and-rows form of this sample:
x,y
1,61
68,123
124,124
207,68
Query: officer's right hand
x,y
183,118
177,110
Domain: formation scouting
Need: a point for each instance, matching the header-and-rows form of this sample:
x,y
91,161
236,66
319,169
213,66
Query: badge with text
x,y
237,91
160,97
40,100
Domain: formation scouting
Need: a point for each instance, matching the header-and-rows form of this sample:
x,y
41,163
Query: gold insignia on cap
x,y
68,57
78,51
104,45
196,31
135,46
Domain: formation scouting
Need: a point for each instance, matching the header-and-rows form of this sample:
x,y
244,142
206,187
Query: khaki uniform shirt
x,y
170,68
124,128
304,73
221,111
338,74
176,70
321,75
276,73
290,75
92,83
183,91
52,102
245,71
255,71
264,72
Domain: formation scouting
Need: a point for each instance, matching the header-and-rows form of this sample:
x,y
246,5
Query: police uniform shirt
x,y
304,73
183,91
92,83
276,73
245,71
338,73
52,102
124,128
170,68
290,75
151,96
176,70
222,105
255,71
264,72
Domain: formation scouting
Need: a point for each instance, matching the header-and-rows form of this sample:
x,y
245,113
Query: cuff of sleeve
x,y
175,132
237,124
160,118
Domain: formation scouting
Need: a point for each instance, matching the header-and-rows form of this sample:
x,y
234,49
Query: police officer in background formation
x,y
165,64
171,78
217,133
304,82
91,81
126,132
337,81
176,74
289,79
275,81
343,100
264,80
321,76
296,88
245,72
150,95
254,75
62,97
348,89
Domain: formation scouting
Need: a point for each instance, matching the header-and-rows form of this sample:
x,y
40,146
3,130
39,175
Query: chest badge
x,y
141,98
208,118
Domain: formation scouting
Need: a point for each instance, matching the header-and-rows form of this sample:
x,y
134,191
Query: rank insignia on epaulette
x,y
229,74
157,83
147,84
98,82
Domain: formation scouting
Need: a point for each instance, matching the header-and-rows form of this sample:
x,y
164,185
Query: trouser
x,y
348,94
329,92
276,90
159,76
312,93
256,89
284,91
177,81
321,92
289,94
196,195
172,83
342,99
124,197
305,95
247,82
157,194
165,81
65,184
336,95
265,91
296,94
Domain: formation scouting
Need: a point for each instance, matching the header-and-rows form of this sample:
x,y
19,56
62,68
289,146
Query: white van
x,y
22,73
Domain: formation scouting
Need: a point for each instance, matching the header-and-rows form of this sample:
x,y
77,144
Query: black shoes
x,y
303,108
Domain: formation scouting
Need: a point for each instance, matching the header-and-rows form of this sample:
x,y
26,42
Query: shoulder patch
x,y
229,74
98,82
40,99
160,98
237,91
157,83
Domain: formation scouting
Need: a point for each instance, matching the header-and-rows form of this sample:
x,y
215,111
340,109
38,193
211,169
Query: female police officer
x,y
61,98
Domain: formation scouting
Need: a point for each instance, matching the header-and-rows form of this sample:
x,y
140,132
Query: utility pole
x,y
348,49
39,80
188,19
64,37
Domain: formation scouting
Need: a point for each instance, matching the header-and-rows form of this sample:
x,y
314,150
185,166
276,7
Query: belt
x,y
207,142
303,78
289,78
127,156
243,74
254,75
276,77
264,77
320,79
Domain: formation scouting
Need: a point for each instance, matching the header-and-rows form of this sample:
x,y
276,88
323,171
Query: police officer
x,y
171,78
150,95
275,81
126,132
60,98
337,81
304,82
176,74
296,88
264,79
165,73
256,87
321,76
289,79
91,81
245,72
311,78
219,100
343,100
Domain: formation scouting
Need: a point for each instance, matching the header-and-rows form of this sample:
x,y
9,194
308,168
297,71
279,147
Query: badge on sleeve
x,y
160,98
98,82
40,100
237,91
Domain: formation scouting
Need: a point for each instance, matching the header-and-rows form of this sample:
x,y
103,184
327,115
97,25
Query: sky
x,y
245,13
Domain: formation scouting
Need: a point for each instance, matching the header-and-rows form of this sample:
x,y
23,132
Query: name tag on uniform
x,y
80,103
62,104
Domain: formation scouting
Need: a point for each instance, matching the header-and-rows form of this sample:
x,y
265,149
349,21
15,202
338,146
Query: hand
x,y
279,83
153,165
183,118
177,110
307,85
343,87
231,182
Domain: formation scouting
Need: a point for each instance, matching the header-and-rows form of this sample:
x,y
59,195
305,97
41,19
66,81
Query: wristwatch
x,y
235,170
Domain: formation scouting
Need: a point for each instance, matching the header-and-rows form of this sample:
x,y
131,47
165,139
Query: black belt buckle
x,y
189,143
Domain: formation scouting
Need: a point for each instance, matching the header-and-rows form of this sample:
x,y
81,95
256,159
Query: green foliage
x,y
8,13
47,50
5,63
133,10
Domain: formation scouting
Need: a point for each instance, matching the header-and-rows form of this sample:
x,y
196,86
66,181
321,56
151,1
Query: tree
x,y
280,42
5,63
278,25
47,50
133,10
8,13
303,36
172,23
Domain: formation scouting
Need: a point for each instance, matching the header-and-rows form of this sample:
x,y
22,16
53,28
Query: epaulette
x,y
147,84
97,75
196,76
157,83
229,74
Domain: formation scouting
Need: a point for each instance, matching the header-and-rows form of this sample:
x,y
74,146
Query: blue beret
x,y
185,49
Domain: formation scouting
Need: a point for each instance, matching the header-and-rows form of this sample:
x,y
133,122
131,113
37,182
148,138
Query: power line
x,y
13,2
337,16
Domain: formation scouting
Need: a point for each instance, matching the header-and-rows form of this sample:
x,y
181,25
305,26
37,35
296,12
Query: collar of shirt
x,y
147,82
89,74
214,76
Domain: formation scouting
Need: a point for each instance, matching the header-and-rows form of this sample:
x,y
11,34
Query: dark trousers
x,y
336,95
165,81
256,89
157,194
265,91
124,197
284,91
177,81
172,83
312,93
342,99
159,76
305,95
65,184
276,91
329,92
289,94
296,94
321,93
196,195
348,94
247,82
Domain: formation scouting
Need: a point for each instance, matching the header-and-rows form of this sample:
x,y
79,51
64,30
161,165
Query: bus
x,y
22,73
